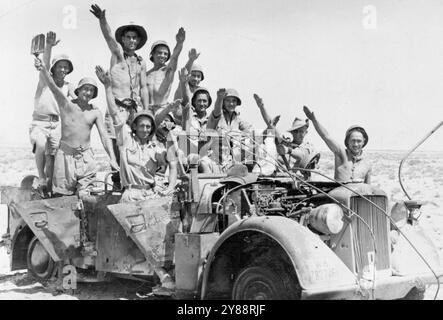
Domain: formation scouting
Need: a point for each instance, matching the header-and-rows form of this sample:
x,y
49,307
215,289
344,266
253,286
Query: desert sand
x,y
422,178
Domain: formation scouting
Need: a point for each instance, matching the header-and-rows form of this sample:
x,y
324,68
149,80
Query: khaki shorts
x,y
45,133
73,170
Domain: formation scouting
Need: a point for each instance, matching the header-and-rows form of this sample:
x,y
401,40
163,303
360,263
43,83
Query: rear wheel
x,y
258,283
40,264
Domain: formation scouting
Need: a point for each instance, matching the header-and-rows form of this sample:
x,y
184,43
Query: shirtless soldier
x,y
75,166
161,76
128,72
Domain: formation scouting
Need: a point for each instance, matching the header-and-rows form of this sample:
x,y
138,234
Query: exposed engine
x,y
304,204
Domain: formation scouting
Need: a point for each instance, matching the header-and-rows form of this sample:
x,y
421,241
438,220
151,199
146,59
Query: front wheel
x,y
40,264
258,283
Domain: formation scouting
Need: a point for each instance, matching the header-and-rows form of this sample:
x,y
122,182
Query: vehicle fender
x,y
315,264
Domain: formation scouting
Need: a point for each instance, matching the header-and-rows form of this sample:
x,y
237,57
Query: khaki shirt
x,y
138,163
228,123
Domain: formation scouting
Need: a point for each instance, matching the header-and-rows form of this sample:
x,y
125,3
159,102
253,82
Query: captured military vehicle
x,y
246,235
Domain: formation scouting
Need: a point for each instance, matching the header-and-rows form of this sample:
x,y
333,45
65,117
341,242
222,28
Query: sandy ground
x,y
422,177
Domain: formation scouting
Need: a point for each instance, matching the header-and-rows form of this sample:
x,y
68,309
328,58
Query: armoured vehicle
x,y
246,235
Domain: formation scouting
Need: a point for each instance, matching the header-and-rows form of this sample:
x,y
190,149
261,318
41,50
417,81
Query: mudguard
x,y
316,266
151,225
55,222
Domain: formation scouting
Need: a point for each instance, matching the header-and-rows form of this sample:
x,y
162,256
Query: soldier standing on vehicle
x,y
297,152
128,71
350,164
44,131
161,76
74,165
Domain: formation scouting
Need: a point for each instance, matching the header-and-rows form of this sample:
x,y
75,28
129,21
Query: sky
x,y
375,63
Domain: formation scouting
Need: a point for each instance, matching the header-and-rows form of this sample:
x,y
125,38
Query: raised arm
x,y
192,56
113,45
107,145
184,77
50,42
331,143
183,111
180,37
144,92
61,99
215,115
270,123
105,78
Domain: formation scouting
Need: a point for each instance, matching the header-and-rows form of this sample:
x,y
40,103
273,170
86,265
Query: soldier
x,y
300,153
140,159
44,131
161,76
128,71
350,164
75,166
196,75
195,119
225,117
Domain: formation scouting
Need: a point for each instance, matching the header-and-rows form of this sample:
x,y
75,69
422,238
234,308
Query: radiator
x,y
362,240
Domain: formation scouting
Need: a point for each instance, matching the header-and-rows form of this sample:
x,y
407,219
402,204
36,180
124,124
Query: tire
x,y
415,294
258,283
40,264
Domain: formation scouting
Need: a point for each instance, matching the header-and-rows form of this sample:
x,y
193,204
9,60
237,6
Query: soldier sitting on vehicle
x,y
300,153
195,120
140,159
74,165
350,164
225,120
196,75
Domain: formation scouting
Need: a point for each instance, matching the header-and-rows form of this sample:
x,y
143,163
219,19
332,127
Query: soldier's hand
x,y
38,64
181,35
258,100
309,114
183,75
221,93
97,11
51,39
102,75
193,55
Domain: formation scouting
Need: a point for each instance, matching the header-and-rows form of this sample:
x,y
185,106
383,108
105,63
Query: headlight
x,y
399,213
327,218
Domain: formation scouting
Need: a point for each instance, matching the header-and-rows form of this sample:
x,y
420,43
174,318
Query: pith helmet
x,y
201,90
233,93
155,45
139,29
61,57
144,113
359,129
196,67
298,123
90,81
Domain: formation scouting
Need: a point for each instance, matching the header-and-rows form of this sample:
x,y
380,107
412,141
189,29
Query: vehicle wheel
x,y
258,283
40,264
415,294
